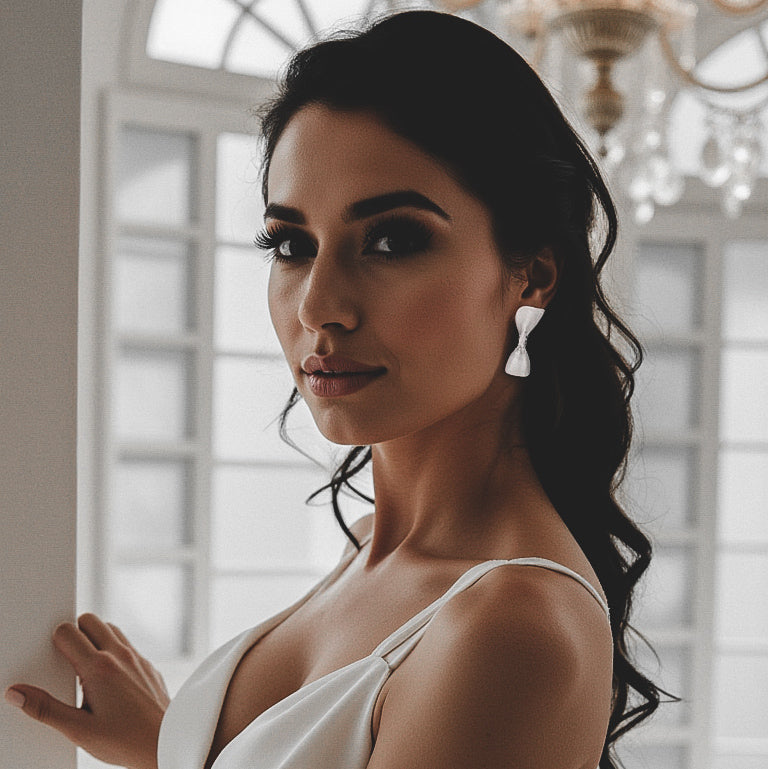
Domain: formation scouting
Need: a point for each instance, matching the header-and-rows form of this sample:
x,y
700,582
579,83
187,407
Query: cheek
x,y
450,324
281,310
419,314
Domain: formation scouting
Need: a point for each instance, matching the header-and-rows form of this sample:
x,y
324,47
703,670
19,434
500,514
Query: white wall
x,y
39,190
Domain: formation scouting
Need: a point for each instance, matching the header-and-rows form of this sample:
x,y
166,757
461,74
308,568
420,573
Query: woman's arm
x,y
124,697
514,673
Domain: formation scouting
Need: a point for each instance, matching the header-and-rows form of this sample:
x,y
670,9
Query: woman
x,y
429,216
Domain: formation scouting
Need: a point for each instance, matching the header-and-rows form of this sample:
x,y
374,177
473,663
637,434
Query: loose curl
x,y
466,98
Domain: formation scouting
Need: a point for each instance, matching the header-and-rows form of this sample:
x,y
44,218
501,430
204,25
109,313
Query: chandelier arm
x,y
740,9
688,75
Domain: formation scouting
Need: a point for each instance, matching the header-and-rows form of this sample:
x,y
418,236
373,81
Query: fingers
x,y
38,704
120,635
78,643
101,634
153,678
74,645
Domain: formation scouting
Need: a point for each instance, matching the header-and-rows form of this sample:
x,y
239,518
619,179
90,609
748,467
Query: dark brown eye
x,y
274,242
401,236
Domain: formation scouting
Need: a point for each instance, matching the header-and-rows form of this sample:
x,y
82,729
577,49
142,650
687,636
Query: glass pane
x,y
740,696
667,392
260,519
729,761
665,592
149,604
256,51
743,496
634,756
741,55
741,595
286,18
153,287
330,12
667,287
241,313
150,504
190,31
240,602
328,540
673,674
152,394
154,181
659,487
248,396
239,204
744,388
745,290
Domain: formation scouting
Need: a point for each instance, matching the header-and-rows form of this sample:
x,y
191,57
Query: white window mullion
x,y
667,286
740,711
151,247
705,502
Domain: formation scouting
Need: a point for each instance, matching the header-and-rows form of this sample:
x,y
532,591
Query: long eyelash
x,y
418,231
269,240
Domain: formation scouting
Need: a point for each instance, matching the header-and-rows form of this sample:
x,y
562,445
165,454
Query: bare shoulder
x,y
521,601
514,671
521,614
542,617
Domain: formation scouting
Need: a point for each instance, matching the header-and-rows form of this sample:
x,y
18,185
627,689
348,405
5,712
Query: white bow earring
x,y
526,318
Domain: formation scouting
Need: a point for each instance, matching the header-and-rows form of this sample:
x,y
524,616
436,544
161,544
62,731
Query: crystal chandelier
x,y
605,32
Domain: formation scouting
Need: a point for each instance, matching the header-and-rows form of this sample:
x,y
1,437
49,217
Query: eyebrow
x,y
362,209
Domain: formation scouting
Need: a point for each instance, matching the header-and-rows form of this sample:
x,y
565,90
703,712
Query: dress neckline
x,y
251,637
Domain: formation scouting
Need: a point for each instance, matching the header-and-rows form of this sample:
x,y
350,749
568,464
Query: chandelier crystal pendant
x,y
605,32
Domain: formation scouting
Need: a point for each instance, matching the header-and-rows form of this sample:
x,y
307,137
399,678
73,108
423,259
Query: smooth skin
x,y
516,671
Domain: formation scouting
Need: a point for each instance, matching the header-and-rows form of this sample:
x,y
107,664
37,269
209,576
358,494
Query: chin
x,y
344,430
348,435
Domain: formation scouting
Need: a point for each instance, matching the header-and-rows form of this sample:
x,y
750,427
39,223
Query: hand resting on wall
x,y
124,697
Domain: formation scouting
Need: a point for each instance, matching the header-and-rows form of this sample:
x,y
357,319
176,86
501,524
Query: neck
x,y
456,489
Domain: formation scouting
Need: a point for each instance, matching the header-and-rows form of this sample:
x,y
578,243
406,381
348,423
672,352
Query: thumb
x,y
41,706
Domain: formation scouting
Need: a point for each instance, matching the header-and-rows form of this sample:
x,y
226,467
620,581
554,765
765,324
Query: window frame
x,y
204,121
687,224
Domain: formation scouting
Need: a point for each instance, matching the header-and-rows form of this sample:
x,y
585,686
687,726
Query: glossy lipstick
x,y
335,375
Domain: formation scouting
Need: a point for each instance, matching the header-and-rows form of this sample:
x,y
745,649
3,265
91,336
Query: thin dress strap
x,y
554,566
395,648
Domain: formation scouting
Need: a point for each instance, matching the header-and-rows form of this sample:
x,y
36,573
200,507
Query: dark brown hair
x,y
466,98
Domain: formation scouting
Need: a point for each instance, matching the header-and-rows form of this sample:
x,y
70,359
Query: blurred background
x,y
192,517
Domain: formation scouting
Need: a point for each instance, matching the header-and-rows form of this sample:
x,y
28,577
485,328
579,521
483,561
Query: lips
x,y
334,375
337,364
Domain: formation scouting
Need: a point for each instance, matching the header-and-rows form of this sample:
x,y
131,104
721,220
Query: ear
x,y
541,276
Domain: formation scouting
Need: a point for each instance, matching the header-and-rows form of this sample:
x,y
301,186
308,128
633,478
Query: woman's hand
x,y
124,697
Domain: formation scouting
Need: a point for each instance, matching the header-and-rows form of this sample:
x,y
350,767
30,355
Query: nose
x,y
329,297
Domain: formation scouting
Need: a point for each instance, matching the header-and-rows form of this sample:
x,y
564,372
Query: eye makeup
x,y
404,234
270,239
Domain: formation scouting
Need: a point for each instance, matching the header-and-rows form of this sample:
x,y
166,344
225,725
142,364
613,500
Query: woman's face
x,y
382,258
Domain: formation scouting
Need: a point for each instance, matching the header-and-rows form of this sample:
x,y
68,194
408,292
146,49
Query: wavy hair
x,y
467,99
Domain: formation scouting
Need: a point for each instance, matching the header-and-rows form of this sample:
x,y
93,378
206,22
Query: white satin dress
x,y
326,724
